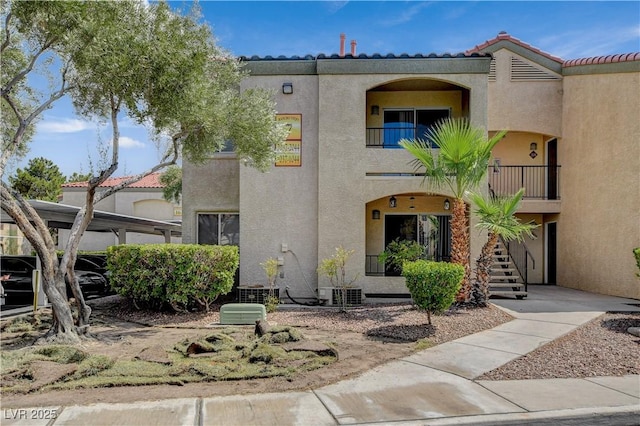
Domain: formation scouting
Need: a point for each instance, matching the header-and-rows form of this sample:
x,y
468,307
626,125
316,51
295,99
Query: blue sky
x,y
568,30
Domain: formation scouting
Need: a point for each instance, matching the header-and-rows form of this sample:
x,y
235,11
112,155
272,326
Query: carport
x,y
61,216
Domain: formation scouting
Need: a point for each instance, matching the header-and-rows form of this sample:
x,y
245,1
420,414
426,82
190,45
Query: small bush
x,y
433,285
636,253
397,252
179,275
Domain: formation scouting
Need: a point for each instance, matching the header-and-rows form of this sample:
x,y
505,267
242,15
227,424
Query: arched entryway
x,y
409,216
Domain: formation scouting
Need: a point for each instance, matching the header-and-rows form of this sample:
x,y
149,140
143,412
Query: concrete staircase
x,y
505,280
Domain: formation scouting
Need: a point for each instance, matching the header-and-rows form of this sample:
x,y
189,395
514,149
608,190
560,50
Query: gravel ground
x,y
601,347
390,321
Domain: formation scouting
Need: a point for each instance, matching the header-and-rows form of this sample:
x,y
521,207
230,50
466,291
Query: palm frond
x,y
497,215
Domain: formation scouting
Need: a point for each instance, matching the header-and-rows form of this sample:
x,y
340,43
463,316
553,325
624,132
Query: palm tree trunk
x,y
483,271
460,247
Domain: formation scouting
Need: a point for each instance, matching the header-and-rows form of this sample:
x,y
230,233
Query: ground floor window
x,y
219,228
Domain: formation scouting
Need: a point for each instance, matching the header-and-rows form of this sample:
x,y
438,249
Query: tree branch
x,y
5,43
23,215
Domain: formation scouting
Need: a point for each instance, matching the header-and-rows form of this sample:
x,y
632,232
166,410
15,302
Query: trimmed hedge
x,y
433,285
179,275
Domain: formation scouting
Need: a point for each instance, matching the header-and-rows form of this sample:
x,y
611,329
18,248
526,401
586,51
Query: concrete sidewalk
x,y
435,386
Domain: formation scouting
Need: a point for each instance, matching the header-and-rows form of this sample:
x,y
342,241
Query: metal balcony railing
x,y
539,182
373,266
388,137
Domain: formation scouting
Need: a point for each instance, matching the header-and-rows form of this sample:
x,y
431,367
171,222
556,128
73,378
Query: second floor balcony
x,y
539,182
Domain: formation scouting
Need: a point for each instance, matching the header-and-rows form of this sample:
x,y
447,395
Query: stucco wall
x,y
281,206
213,186
534,106
600,154
139,202
344,189
77,197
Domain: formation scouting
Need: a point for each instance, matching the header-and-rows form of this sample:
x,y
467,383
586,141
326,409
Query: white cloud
x,y
127,142
407,15
334,6
594,42
64,125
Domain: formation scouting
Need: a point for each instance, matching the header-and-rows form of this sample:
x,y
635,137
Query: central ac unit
x,y
333,295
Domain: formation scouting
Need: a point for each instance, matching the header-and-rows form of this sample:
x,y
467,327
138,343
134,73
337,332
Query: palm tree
x,y
497,216
455,155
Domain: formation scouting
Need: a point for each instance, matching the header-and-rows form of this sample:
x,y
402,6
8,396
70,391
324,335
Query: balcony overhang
x,y
539,206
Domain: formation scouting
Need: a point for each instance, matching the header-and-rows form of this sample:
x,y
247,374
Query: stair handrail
x,y
522,269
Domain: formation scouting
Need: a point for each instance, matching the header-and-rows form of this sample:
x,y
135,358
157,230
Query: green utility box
x,y
242,313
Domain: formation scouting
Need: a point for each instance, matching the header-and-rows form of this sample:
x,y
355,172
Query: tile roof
x,y
503,36
365,56
597,60
149,181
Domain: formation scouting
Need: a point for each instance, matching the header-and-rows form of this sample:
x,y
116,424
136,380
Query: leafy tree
x,y
114,59
497,215
460,164
40,180
79,177
172,181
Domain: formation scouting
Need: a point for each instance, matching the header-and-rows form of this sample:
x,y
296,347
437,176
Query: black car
x,y
16,272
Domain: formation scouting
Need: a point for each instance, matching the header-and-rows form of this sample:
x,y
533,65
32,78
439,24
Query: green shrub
x,y
433,285
179,275
636,253
397,252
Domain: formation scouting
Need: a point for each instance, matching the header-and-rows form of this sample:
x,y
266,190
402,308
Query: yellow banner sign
x,y
289,154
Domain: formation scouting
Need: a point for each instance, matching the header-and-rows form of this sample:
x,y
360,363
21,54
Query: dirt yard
x,y
364,337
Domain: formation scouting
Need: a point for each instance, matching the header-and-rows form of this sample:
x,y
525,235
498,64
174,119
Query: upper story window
x,y
228,146
405,123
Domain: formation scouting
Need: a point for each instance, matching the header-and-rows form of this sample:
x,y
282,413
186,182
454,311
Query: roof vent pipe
x,y
342,39
353,47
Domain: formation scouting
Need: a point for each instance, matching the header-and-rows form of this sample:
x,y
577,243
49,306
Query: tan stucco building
x,y
573,143
142,199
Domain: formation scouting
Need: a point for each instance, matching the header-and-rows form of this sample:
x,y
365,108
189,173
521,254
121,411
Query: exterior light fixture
x,y
393,203
447,204
533,147
375,110
287,88
375,214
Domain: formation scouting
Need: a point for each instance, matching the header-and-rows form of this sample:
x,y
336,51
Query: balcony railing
x,y
373,266
388,137
539,182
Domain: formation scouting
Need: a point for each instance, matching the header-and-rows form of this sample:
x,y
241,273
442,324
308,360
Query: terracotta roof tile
x,y
149,181
347,56
504,36
598,60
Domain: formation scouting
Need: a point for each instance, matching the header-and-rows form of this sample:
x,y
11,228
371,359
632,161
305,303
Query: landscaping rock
x,y
634,330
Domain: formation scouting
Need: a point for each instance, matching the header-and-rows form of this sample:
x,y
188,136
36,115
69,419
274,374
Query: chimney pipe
x,y
353,47
342,39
